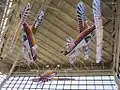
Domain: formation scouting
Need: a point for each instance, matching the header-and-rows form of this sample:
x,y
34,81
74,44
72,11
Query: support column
x,y
117,38
116,58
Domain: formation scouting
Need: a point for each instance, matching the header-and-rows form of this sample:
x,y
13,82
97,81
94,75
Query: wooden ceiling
x,y
59,23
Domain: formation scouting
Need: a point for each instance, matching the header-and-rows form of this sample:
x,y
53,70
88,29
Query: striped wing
x,y
38,21
25,13
23,17
99,28
81,16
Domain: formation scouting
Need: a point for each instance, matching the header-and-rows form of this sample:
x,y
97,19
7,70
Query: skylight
x,y
81,83
5,15
2,77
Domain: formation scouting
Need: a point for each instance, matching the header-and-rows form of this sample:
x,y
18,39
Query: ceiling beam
x,y
71,73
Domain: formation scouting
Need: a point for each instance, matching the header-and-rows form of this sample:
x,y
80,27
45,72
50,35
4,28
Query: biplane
x,y
86,33
27,37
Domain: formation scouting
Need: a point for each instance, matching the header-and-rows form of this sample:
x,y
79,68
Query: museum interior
x,y
59,44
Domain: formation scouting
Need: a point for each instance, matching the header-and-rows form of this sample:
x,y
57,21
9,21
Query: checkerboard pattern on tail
x,y
69,44
99,28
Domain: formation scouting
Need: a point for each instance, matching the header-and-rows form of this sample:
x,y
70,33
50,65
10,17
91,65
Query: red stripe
x,y
80,37
83,34
29,34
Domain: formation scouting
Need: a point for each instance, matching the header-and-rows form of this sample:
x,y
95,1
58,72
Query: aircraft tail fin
x,y
69,44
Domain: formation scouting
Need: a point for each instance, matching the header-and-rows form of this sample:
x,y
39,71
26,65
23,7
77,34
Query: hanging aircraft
x,y
27,37
86,33
29,44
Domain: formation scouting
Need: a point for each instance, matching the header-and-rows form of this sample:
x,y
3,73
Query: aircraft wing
x,y
81,16
99,28
37,21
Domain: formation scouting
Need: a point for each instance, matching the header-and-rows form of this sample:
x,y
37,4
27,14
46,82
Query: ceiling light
x,y
47,66
58,65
